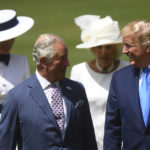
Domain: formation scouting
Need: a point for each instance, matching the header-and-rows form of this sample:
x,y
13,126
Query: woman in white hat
x,y
102,37
13,68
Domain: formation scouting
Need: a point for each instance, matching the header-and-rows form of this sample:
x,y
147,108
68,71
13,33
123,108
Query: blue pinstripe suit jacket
x,y
27,119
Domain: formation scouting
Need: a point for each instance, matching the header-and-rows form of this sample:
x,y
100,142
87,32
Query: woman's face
x,y
105,55
6,46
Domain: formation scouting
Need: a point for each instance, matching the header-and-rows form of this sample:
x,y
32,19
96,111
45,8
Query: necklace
x,y
99,68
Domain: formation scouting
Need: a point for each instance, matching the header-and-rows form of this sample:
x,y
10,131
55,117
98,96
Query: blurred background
x,y
57,16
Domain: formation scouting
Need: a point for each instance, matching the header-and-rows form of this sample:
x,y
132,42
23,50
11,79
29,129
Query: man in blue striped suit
x,y
29,116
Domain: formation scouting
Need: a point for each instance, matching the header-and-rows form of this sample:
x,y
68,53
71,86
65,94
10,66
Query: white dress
x,y
11,75
97,88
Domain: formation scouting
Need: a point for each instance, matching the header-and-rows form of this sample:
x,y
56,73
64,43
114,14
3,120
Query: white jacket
x,y
11,75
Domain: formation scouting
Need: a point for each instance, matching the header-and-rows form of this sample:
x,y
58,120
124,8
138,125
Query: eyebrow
x,y
129,44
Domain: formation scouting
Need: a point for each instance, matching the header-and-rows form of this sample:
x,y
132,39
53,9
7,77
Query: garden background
x,y
57,16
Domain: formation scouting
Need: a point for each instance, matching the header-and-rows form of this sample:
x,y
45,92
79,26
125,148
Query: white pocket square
x,y
68,88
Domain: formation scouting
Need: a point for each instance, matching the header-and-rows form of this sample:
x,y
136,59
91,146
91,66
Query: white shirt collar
x,y
44,83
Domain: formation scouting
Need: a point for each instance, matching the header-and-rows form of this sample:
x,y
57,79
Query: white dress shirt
x,y
48,90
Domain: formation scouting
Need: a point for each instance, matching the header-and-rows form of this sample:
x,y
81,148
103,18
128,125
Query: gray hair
x,y
45,47
141,29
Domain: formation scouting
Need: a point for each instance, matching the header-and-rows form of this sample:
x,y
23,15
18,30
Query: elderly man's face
x,y
137,54
56,69
6,46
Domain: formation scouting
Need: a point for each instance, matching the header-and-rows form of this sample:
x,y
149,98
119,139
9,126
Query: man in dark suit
x,y
47,111
127,124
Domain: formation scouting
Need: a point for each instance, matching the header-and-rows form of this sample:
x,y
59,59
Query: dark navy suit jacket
x,y
27,119
124,120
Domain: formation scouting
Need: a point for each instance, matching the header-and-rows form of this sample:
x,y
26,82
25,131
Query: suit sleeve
x,y
8,124
112,134
89,133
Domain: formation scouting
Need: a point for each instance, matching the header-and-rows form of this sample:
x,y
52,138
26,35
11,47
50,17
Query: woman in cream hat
x,y
13,68
102,37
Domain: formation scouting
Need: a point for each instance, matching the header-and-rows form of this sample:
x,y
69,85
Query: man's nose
x,y
67,62
124,50
103,50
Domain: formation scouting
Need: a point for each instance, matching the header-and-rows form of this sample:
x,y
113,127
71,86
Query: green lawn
x,y
56,16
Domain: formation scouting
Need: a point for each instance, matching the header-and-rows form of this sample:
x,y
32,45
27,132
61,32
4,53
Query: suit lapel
x,y
136,99
66,92
38,95
40,99
148,121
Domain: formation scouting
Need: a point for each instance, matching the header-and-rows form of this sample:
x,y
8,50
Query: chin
x,y
132,63
62,76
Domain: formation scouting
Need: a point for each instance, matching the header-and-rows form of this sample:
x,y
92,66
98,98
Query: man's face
x,y
56,68
137,54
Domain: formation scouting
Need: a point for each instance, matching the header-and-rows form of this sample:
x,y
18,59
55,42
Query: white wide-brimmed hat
x,y
96,31
12,25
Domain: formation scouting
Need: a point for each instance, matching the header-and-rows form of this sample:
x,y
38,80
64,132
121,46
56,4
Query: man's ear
x,y
43,62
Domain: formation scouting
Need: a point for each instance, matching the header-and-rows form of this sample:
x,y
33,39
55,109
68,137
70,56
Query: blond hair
x,y
141,29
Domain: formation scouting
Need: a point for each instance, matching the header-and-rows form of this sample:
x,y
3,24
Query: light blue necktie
x,y
145,94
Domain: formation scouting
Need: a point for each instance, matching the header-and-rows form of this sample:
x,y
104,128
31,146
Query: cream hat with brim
x,y
12,26
96,31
